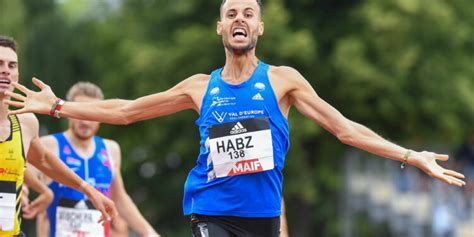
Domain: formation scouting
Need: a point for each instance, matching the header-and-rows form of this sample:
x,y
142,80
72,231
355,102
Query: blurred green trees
x,y
401,67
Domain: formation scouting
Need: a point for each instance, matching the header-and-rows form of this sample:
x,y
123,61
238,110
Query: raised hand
x,y
426,161
31,102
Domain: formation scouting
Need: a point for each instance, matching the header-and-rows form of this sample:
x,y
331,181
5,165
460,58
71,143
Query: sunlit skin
x,y
82,129
8,69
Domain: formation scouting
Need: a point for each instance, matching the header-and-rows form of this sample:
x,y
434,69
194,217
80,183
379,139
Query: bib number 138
x,y
241,147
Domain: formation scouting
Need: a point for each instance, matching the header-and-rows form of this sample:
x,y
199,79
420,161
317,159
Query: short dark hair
x,y
8,42
258,1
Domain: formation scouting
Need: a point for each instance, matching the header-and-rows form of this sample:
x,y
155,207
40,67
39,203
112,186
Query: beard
x,y
82,135
241,49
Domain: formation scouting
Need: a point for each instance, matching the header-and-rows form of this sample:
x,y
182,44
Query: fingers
x,y
39,83
112,210
29,215
16,104
104,219
105,216
450,180
444,178
456,181
28,212
454,174
15,95
101,219
18,111
441,157
108,213
21,88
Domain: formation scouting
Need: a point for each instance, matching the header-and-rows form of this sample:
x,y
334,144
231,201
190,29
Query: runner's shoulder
x,y
111,144
284,71
198,78
48,140
28,120
285,76
113,149
196,81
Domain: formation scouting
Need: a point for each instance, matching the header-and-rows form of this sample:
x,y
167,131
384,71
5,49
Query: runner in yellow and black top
x,y
12,167
20,138
13,175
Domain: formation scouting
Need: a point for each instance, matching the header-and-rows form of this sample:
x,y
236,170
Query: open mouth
x,y
5,81
239,32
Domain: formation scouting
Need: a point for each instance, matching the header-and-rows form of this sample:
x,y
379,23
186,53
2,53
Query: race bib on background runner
x,y
78,219
241,147
7,205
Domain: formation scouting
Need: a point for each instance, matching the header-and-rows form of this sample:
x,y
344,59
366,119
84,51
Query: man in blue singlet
x,y
97,161
236,187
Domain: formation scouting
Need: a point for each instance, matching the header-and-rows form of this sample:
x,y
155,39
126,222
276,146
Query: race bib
x,y
241,147
77,219
7,205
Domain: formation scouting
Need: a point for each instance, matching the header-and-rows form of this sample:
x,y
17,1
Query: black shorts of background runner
x,y
22,234
230,226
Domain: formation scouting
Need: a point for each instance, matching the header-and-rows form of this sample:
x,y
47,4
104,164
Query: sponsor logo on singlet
x,y
257,97
219,116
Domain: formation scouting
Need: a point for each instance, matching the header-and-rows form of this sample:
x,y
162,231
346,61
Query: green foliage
x,y
402,67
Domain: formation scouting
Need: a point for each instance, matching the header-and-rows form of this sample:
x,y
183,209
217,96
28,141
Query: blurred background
x,y
404,68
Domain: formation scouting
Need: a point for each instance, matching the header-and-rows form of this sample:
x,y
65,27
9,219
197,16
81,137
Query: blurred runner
x,y
97,161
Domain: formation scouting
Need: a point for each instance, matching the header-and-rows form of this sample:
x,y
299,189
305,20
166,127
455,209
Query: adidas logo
x,y
238,128
257,97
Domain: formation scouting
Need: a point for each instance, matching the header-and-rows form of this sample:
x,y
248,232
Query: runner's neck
x,y
239,69
3,107
83,147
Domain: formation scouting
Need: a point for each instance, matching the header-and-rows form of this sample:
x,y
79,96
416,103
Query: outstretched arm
x,y
305,99
125,206
113,111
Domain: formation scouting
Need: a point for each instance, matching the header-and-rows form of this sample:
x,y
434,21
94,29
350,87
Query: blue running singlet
x,y
70,213
244,140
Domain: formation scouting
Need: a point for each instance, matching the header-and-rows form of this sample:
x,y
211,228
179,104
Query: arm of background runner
x,y
125,206
53,167
42,221
307,102
42,225
112,111
41,202
283,221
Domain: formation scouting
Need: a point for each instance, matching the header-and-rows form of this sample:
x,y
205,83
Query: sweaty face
x,y
8,69
83,129
240,25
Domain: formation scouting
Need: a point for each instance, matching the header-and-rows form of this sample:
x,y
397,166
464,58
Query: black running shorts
x,y
230,226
